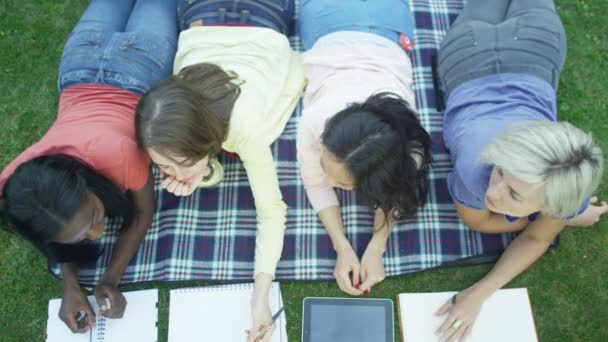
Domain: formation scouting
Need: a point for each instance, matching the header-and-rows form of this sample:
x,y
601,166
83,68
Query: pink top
x,y
342,68
96,124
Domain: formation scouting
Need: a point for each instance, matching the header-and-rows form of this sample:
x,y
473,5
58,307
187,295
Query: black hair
x,y
43,195
385,149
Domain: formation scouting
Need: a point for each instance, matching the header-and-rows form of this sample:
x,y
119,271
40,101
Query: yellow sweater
x,y
273,82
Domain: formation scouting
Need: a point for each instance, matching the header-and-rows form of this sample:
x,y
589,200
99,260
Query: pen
x,y
80,316
274,318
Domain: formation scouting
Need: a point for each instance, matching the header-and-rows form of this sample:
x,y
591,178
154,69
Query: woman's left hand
x,y
372,269
462,310
116,303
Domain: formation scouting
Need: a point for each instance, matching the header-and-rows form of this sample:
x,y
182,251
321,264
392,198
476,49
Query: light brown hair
x,y
188,114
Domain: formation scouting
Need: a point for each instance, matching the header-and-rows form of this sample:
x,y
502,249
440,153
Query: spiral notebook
x,y
506,316
218,313
137,324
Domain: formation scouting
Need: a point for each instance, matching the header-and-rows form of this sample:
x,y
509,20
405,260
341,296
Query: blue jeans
x,y
129,44
274,14
387,18
503,36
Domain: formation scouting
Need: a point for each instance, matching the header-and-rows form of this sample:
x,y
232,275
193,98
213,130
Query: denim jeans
x,y
503,36
274,14
129,44
388,18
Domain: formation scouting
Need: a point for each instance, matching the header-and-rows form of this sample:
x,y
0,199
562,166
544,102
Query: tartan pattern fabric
x,y
211,234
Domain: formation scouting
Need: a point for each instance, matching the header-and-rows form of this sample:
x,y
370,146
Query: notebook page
x,y
218,313
505,317
137,324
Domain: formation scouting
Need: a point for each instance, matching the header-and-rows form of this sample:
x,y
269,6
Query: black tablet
x,y
347,320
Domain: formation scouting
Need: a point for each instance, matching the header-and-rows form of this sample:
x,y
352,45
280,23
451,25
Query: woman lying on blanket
x,y
58,191
359,130
234,89
515,167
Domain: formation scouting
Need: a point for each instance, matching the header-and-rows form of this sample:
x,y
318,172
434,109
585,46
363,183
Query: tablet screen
x,y
349,320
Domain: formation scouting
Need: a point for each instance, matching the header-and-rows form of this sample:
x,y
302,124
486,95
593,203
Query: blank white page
x,y
218,313
137,324
505,317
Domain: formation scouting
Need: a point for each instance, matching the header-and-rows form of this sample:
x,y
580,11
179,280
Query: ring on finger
x,y
457,323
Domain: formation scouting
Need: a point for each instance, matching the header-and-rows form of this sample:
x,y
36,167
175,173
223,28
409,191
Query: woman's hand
x,y
73,305
261,330
372,268
590,216
348,262
261,327
461,310
176,187
116,303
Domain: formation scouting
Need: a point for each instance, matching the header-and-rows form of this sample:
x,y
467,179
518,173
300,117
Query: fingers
x,y
166,181
80,320
449,321
176,187
345,285
457,333
444,308
111,303
118,304
89,320
261,333
467,332
356,274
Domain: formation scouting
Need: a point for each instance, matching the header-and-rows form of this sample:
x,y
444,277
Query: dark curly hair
x,y
42,196
386,150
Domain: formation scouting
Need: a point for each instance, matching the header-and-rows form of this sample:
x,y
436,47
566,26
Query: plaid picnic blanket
x,y
211,234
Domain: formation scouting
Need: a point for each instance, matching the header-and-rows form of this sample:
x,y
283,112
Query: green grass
x,y
568,287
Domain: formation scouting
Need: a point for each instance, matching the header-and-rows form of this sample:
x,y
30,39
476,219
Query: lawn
x,y
568,286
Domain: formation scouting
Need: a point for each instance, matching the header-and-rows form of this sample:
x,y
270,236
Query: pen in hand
x,y
265,329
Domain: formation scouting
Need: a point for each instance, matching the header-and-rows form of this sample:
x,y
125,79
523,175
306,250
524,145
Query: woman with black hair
x,y
359,130
87,167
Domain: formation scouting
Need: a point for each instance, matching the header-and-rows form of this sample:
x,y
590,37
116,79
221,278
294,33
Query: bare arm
x,y
332,221
519,255
347,261
487,222
372,264
130,239
383,226
530,245
74,301
126,246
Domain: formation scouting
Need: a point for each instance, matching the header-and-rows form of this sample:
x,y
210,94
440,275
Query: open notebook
x,y
137,324
218,313
505,317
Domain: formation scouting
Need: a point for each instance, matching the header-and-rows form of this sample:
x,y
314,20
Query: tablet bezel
x,y
386,303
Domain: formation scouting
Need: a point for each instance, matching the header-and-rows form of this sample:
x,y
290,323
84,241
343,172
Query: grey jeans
x,y
503,36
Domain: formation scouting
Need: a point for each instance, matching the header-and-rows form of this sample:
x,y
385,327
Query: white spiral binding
x,y
217,288
101,329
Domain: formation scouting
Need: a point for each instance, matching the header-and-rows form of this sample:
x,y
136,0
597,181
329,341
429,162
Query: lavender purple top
x,y
476,112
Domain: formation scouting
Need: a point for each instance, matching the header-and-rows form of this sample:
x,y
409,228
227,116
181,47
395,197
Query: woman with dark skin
x,y
87,167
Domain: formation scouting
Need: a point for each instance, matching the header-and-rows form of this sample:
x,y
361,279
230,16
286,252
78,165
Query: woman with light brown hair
x,y
236,83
